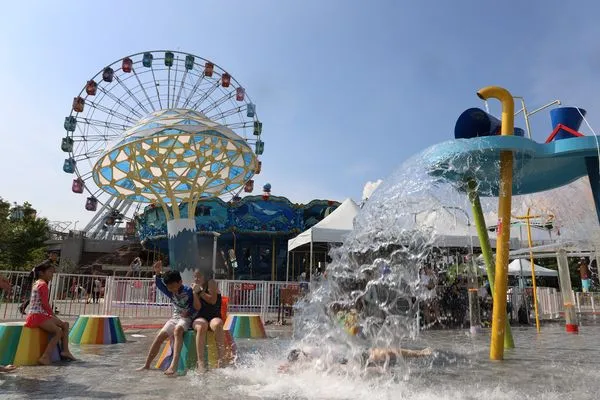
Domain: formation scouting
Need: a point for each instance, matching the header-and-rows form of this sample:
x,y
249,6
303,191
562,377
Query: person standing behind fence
x,y
5,285
96,289
584,273
28,281
136,266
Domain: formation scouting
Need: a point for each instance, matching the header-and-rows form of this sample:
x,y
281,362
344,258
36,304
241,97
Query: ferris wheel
x,y
127,91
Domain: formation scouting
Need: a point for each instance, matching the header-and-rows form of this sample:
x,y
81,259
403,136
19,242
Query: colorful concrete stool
x,y
23,346
97,329
187,360
245,326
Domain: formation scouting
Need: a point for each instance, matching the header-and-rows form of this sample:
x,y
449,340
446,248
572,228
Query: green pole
x,y
486,250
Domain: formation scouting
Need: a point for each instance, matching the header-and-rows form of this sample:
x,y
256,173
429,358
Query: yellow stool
x,y
23,346
97,329
187,359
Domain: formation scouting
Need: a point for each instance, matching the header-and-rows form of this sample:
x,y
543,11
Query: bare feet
x,y
143,368
7,368
44,360
200,368
67,355
170,371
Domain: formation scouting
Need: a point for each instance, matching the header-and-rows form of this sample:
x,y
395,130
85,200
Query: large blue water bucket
x,y
571,117
475,122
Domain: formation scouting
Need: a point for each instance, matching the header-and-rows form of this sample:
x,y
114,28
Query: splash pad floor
x,y
553,365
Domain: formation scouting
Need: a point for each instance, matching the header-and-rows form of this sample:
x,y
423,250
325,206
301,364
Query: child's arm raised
x,y
160,285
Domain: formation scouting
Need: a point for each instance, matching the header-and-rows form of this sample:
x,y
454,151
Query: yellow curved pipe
x,y
508,106
504,206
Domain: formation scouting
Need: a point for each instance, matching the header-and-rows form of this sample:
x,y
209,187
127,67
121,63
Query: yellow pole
x,y
504,206
528,219
486,250
530,242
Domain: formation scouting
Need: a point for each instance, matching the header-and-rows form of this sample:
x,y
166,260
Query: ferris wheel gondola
x,y
125,92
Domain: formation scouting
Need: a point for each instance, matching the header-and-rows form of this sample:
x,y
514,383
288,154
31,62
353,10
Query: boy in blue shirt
x,y
185,306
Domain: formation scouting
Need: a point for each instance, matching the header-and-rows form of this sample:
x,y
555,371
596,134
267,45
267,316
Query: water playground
x,y
191,140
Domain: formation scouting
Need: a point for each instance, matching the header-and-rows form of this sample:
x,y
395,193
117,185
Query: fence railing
x,y
74,294
521,304
129,297
587,302
550,303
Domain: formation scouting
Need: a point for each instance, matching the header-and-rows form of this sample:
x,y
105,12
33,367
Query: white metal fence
x,y
550,303
587,302
73,294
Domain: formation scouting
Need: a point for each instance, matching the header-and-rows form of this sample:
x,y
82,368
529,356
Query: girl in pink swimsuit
x,y
41,316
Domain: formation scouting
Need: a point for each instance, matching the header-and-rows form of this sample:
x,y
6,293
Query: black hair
x,y
294,354
40,269
171,277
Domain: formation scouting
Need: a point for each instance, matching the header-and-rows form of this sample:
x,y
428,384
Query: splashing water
x,y
401,229
398,233
377,270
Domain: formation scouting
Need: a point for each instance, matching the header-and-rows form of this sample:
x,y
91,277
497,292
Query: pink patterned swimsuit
x,y
39,307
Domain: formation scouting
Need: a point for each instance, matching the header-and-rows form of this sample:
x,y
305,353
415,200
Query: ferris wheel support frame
x,y
98,215
121,206
94,227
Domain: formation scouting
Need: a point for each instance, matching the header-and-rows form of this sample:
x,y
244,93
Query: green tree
x,y
22,236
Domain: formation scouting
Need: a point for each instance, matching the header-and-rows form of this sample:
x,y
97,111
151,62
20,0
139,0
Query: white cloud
x,y
370,188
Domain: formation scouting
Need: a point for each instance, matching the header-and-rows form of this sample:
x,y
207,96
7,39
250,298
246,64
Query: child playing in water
x,y
185,305
375,357
41,316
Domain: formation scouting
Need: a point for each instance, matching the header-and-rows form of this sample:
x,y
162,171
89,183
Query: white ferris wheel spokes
x,y
129,89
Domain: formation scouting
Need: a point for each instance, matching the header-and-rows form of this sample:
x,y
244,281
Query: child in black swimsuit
x,y
209,316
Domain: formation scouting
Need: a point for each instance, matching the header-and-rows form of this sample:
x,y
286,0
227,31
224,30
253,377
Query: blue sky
x,y
347,90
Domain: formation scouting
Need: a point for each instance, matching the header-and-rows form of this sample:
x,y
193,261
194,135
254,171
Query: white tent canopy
x,y
450,225
331,229
514,268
